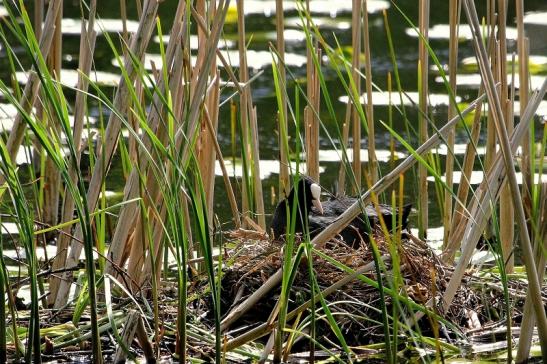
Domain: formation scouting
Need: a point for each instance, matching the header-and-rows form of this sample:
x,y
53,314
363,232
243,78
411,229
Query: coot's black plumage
x,y
309,193
358,229
325,213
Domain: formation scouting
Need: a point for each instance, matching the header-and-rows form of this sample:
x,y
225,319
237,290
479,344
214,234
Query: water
x,y
334,18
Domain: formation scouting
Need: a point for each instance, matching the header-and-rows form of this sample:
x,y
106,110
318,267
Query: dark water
x,y
259,25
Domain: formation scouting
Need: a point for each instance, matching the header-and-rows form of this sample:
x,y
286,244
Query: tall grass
x,y
172,115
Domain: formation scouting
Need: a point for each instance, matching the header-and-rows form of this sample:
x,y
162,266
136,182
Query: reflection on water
x,y
478,176
442,31
102,25
331,8
409,98
256,60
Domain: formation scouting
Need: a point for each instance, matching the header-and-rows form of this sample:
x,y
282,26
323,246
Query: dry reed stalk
x,y
229,190
249,127
205,154
197,85
259,195
372,162
452,245
243,109
506,152
108,145
123,15
228,68
356,67
507,214
507,219
524,86
490,129
87,46
138,267
133,145
38,17
134,251
284,180
390,118
38,105
128,214
311,120
469,161
129,330
483,200
208,138
344,142
52,175
198,92
423,70
33,84
226,177
454,23
352,212
152,196
528,316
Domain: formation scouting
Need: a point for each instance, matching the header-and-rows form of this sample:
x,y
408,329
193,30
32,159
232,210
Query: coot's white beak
x,y
316,195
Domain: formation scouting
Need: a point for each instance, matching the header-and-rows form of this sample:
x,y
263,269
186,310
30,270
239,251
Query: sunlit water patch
x,y
255,59
290,36
474,80
409,98
335,155
20,254
478,176
194,43
267,167
435,238
321,22
69,78
534,60
536,18
326,7
74,26
459,149
540,111
8,112
9,228
25,153
442,31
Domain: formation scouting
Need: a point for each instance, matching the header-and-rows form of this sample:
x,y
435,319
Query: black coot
x,y
309,193
358,228
322,214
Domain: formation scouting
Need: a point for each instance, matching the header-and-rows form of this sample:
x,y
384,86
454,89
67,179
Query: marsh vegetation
x,y
145,145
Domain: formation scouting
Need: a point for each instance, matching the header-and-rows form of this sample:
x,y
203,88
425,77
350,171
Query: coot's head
x,y
307,194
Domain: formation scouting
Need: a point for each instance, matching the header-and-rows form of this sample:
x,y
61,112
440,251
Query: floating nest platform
x,y
357,305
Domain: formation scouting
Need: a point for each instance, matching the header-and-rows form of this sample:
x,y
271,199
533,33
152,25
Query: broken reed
x,y
284,173
423,82
356,78
453,15
373,172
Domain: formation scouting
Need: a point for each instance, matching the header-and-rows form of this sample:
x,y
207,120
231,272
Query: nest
x,y
356,305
